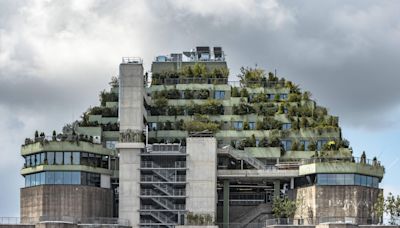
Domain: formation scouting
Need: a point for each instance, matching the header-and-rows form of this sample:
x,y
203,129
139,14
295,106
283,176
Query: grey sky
x,y
55,57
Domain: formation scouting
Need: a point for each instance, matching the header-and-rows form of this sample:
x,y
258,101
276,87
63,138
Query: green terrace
x,y
77,145
328,165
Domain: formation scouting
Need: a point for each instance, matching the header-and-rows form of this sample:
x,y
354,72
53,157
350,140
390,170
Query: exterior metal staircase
x,y
160,217
168,190
262,210
241,155
167,175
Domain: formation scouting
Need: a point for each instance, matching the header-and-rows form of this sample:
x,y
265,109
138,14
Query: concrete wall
x,y
337,201
131,96
66,200
131,112
201,175
129,182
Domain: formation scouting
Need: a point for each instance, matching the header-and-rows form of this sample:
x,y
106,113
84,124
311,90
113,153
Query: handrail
x,y
357,160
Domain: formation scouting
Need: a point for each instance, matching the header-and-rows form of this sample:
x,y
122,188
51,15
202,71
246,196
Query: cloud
x,y
55,56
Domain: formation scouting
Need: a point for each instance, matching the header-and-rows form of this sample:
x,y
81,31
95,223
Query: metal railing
x,y
356,160
218,81
135,60
151,164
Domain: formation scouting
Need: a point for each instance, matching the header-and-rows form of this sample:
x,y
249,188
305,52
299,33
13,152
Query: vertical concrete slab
x,y
131,112
201,175
226,204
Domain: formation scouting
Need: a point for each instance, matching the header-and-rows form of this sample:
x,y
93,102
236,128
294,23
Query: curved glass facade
x,y
64,177
67,158
347,179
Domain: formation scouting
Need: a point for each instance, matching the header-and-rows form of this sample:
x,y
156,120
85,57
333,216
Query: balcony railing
x,y
151,164
356,160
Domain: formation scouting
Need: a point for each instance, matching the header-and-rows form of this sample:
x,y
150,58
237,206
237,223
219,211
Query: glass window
x,y
92,161
375,182
84,158
286,126
27,180
219,95
67,158
369,181
84,178
58,177
339,179
271,96
75,158
238,125
283,96
322,179
42,178
33,160
305,143
42,158
104,162
363,180
357,179
28,161
75,178
49,177
67,178
252,125
111,144
287,144
50,158
349,179
98,160
320,144
59,158
38,158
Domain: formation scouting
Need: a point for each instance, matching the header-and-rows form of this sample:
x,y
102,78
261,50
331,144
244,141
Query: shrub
x,y
294,97
235,92
243,109
251,77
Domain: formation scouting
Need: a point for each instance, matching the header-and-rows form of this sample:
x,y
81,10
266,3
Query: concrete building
x,y
188,147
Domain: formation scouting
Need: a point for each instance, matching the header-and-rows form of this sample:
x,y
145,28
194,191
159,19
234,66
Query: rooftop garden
x,y
196,74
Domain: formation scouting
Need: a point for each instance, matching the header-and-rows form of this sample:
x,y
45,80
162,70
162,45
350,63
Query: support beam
x,y
277,188
226,205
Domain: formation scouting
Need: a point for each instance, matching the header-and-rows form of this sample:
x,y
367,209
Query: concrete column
x,y
292,183
131,125
226,205
277,188
201,175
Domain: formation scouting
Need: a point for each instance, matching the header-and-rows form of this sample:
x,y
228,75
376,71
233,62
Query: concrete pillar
x,y
292,183
201,175
130,146
226,205
277,188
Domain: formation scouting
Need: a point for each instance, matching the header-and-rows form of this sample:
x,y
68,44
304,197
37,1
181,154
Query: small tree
x,y
379,207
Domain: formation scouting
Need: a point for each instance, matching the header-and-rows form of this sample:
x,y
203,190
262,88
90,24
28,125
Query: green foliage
x,y
306,96
235,92
312,146
284,207
201,123
259,98
266,109
104,111
243,109
294,97
295,146
251,77
199,219
392,208
244,92
268,123
247,142
200,70
246,125
107,97
379,207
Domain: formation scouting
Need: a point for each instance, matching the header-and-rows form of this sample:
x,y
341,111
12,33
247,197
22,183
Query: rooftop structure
x,y
191,147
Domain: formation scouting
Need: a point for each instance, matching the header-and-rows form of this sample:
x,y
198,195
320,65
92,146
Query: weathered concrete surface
x,y
319,202
65,200
56,225
16,226
201,175
193,226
